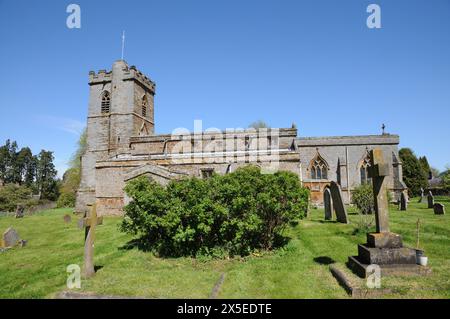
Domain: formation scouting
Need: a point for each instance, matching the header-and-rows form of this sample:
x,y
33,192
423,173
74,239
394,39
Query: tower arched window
x,y
318,168
364,169
106,102
144,106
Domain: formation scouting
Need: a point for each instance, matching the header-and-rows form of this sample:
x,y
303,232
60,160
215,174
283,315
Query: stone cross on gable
x,y
89,222
378,171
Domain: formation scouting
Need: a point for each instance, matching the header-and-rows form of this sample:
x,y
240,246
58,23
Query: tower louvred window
x,y
144,106
106,102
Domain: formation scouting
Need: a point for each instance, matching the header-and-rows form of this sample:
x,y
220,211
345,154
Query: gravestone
x,y
10,238
338,203
403,204
89,222
67,218
328,204
383,248
439,209
430,198
422,195
20,211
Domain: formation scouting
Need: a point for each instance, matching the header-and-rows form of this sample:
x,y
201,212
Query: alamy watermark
x,y
234,145
374,276
73,21
374,19
74,278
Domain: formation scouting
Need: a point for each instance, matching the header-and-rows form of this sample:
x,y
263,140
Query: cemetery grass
x,y
299,270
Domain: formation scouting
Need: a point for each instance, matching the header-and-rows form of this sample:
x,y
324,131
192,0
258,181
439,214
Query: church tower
x,y
121,105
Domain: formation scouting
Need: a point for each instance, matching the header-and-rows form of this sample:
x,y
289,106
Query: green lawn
x,y
299,270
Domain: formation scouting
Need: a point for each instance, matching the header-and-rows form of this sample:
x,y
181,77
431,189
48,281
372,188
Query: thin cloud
x,y
68,125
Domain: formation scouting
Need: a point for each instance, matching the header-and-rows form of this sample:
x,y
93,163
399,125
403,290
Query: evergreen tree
x,y
24,167
413,173
4,160
46,176
425,167
9,170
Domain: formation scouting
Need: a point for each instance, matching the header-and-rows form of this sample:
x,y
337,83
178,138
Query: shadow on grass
x,y
327,221
138,243
324,260
97,267
144,245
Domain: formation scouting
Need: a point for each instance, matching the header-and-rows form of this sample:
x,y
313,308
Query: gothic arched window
x,y
364,169
106,102
144,106
318,168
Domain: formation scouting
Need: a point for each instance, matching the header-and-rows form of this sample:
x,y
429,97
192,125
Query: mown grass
x,y
299,270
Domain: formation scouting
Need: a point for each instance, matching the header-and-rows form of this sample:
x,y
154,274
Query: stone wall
x,y
343,156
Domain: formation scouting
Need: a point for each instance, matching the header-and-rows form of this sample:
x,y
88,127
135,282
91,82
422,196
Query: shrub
x,y
12,195
66,200
233,214
362,198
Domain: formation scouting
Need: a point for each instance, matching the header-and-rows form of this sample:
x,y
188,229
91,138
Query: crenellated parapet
x,y
102,76
126,73
134,74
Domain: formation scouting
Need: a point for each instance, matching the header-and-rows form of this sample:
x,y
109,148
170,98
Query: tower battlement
x,y
127,73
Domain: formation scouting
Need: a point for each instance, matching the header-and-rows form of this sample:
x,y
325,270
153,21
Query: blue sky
x,y
229,63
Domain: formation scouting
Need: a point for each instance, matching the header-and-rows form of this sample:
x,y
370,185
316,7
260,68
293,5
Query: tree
x,y
13,174
413,173
4,161
46,176
8,155
425,167
259,124
69,187
72,177
25,166
446,179
75,161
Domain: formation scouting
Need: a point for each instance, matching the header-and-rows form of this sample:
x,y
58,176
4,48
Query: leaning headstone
x,y
20,211
67,218
328,205
439,209
430,198
10,237
338,203
403,204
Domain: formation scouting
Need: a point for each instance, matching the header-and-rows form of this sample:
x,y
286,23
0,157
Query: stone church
x,y
122,145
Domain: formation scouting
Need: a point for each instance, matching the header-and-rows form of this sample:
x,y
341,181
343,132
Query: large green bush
x,y
231,214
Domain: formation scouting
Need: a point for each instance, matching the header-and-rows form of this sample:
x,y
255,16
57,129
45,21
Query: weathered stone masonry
x,y
121,145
